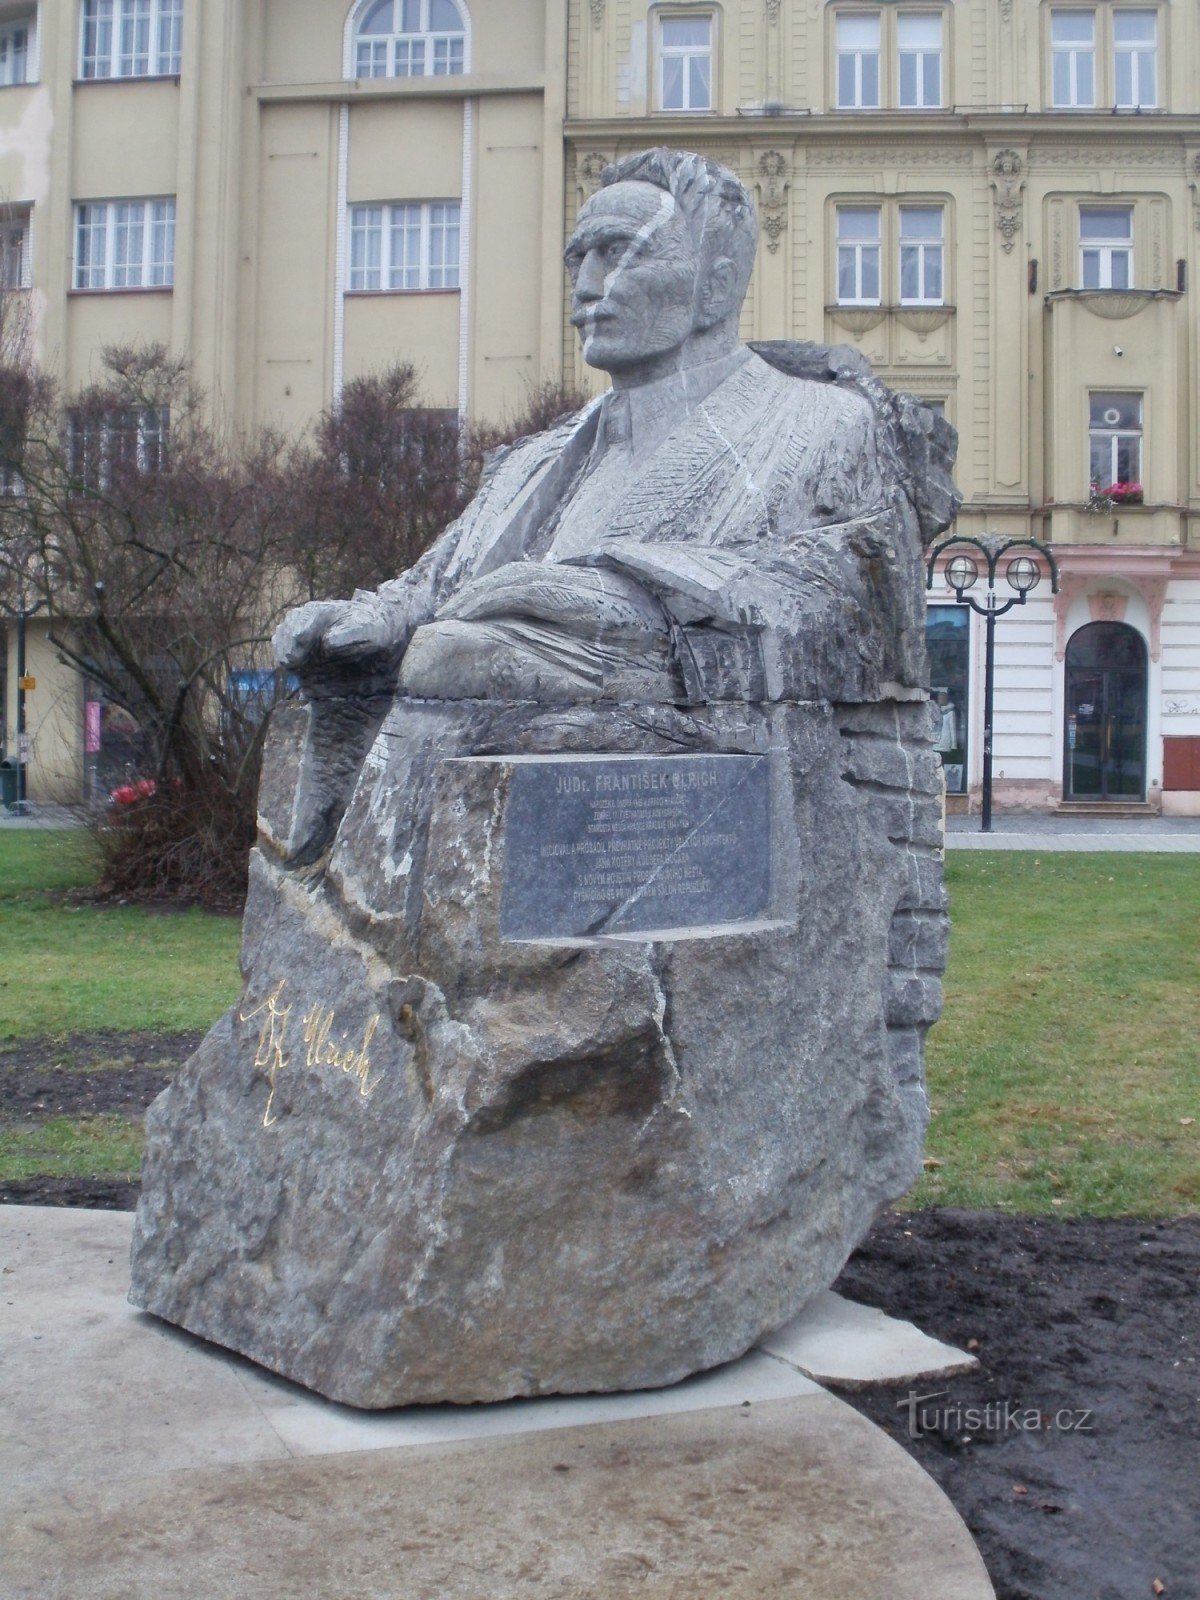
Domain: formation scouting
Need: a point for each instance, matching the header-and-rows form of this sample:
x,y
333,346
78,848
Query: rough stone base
x,y
420,1162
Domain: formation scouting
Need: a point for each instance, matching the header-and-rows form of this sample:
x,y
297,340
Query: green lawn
x,y
1065,1073
72,1147
67,968
1064,1076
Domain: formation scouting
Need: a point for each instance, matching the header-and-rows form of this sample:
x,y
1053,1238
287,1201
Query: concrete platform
x,y
137,1461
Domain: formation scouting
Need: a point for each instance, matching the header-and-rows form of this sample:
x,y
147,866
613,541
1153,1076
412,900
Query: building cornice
x,y
470,86
1034,128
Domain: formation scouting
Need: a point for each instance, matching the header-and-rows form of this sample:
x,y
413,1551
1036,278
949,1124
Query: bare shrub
x,y
165,557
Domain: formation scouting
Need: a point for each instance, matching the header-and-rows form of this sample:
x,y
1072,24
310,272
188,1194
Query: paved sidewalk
x,y
45,816
1012,830
1029,830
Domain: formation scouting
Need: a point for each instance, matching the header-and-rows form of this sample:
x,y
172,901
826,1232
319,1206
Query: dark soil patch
x,y
85,1074
94,1194
1088,1488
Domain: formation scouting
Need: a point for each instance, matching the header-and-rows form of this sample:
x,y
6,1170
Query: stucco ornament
x,y
1007,184
597,917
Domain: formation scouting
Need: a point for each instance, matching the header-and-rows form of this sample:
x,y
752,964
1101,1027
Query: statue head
x,y
660,261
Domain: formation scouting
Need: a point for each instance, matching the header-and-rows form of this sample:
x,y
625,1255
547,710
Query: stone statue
x,y
597,917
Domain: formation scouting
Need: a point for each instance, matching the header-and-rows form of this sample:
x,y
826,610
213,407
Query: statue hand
x,y
334,632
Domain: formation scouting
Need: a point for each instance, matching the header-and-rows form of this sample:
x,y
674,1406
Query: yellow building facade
x,y
997,201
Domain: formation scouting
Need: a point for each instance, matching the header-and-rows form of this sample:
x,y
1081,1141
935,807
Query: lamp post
x,y
1023,573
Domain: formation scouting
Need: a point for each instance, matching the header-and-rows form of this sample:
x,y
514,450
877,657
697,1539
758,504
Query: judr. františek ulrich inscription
x,y
602,846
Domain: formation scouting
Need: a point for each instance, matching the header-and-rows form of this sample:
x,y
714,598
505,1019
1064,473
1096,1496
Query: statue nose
x,y
589,285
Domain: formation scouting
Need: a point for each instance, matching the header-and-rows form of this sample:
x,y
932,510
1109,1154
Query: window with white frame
x,y
14,247
1115,446
859,46
685,62
922,245
1135,59
104,443
859,241
410,39
1073,58
1106,247
407,245
130,38
16,50
125,244
919,43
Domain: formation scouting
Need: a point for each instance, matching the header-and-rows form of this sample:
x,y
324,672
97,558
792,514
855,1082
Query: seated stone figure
x,y
713,528
596,919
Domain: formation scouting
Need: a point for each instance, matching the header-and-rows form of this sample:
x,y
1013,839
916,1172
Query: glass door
x,y
1105,757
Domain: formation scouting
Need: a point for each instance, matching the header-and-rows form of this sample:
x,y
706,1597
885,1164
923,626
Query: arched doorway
x,y
1105,755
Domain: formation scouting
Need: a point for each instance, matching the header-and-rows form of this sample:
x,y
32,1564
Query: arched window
x,y
409,39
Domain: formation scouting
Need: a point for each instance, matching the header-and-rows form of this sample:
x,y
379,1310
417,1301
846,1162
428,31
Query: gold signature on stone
x,y
321,1050
318,1025
269,1058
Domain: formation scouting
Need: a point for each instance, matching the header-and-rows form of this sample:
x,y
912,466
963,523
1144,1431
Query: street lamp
x,y
1023,574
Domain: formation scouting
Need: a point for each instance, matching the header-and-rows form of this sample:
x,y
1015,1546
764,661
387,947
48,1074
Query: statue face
x,y
634,274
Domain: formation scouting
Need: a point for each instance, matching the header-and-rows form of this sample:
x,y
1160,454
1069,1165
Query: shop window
x,y
948,638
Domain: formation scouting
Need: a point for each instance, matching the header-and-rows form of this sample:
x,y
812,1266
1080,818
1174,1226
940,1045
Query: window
x,y
1073,53
891,254
131,38
859,41
1084,74
410,39
14,247
919,36
103,444
1135,58
125,244
859,238
921,231
407,245
889,57
1115,447
1106,247
685,63
16,51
